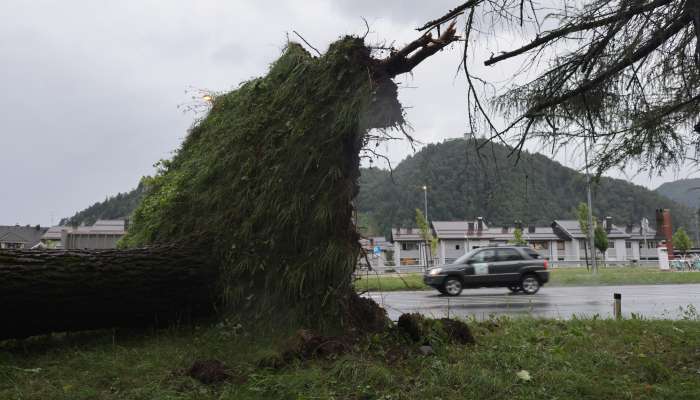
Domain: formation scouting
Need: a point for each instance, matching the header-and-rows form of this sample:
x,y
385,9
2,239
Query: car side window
x,y
508,255
532,253
484,256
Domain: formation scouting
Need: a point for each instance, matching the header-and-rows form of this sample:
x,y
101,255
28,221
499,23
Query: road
x,y
649,301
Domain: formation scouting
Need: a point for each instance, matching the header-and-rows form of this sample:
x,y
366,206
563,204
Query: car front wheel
x,y
530,284
453,287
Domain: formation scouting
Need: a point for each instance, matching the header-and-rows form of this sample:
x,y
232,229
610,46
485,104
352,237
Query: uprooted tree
x,y
254,212
252,215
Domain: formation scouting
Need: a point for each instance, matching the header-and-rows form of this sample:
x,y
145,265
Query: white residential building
x,y
560,242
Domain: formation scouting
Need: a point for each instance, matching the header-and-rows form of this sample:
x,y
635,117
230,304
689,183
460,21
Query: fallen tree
x,y
49,291
258,199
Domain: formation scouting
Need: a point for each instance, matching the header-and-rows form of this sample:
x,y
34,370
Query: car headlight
x,y
435,271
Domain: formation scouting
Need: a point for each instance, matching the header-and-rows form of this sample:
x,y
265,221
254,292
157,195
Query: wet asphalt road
x,y
649,301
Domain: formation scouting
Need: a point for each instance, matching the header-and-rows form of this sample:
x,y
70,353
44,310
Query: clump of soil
x,y
457,331
421,329
307,344
209,371
412,325
365,315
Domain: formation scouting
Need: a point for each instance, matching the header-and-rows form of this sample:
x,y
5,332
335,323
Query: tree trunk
x,y
54,291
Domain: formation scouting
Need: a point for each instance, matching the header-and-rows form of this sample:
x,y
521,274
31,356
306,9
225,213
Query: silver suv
x,y
517,268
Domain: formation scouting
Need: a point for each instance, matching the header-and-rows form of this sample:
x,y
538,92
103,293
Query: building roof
x,y
410,234
460,229
571,228
103,227
370,242
54,233
635,232
29,235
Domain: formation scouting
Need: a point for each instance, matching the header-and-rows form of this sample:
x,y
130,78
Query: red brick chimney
x,y
664,229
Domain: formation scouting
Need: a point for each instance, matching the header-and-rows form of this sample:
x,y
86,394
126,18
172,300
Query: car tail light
x,y
546,263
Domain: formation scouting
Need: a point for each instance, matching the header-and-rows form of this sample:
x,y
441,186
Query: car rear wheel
x,y
453,286
530,284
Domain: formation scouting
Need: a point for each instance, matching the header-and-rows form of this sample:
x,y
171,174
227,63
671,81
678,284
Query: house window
x,y
539,245
611,244
409,246
560,245
628,244
582,244
456,247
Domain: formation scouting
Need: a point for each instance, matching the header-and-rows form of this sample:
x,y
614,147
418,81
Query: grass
x,y
558,277
582,359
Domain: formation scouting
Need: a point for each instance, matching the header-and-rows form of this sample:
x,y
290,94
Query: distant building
x,y
52,238
561,241
21,237
104,234
377,259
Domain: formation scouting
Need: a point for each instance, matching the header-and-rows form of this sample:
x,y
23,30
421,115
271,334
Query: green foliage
x,y
518,238
681,241
367,226
600,239
116,207
582,217
569,276
265,182
574,359
466,183
425,231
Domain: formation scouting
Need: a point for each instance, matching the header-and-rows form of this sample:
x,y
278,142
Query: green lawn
x,y
558,277
578,359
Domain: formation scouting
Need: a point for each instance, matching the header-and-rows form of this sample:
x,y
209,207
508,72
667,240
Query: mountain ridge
x,y
464,183
683,191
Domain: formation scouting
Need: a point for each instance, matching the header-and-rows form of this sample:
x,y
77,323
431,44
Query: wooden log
x,y
68,290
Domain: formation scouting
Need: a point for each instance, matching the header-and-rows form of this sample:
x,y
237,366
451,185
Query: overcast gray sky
x,y
90,89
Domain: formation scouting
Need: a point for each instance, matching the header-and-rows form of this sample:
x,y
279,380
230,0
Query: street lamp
x,y
425,197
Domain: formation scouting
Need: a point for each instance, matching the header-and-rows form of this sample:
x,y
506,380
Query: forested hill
x,y
466,184
463,183
119,206
684,191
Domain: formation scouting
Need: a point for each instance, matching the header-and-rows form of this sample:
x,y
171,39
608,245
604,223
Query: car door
x,y
477,271
506,268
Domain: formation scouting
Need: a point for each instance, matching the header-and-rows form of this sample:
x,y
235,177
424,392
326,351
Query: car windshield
x,y
464,258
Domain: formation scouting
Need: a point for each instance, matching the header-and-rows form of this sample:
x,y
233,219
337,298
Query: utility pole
x,y
591,241
426,245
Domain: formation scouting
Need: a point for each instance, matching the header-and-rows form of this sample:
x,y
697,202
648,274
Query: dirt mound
x,y
421,329
412,325
457,331
209,371
365,315
307,344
